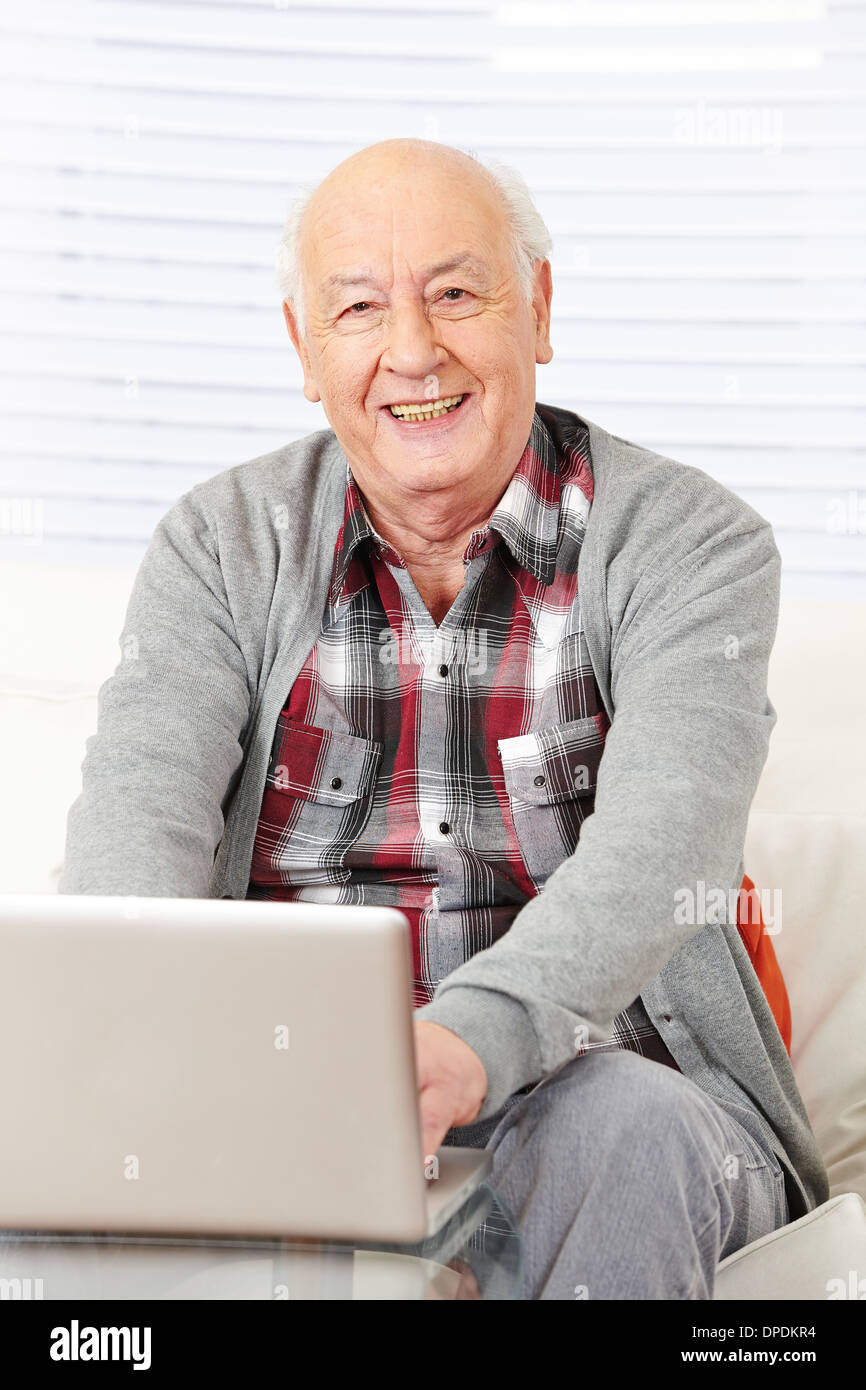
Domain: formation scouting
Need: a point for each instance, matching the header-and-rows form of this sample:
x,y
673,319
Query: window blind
x,y
700,166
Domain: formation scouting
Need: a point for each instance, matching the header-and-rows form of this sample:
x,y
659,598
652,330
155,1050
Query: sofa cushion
x,y
821,1256
818,864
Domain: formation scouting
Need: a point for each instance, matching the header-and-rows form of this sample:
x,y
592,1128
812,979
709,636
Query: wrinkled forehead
x,y
403,226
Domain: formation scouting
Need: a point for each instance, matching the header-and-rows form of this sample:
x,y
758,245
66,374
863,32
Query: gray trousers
x,y
628,1181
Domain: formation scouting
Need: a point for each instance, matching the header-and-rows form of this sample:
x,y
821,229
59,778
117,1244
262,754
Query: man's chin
x,y
428,463
423,475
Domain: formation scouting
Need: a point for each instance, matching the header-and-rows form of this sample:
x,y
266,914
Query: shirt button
x,y
443,669
444,828
336,783
539,781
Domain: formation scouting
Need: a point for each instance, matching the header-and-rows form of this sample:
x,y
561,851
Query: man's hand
x,y
452,1082
454,1282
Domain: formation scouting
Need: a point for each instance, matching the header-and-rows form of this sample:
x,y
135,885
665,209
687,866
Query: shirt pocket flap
x,y
556,763
321,765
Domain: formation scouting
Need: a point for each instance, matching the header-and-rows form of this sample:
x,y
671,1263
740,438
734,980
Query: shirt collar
x,y
349,574
526,517
527,514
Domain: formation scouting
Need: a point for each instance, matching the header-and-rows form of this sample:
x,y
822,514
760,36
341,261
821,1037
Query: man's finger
x,y
436,1118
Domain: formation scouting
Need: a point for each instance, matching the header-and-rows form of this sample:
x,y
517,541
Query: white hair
x,y
531,241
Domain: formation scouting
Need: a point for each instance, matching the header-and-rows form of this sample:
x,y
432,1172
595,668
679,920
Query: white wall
x,y
700,166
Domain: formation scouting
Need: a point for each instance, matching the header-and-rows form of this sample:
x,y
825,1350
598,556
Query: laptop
x,y
214,1067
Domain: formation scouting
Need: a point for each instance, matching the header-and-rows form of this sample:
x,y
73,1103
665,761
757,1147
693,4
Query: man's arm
x,y
681,764
149,817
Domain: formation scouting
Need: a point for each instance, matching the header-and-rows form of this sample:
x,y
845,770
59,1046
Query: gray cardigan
x,y
225,608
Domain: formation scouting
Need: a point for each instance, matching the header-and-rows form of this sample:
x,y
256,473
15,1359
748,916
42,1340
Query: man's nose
x,y
413,349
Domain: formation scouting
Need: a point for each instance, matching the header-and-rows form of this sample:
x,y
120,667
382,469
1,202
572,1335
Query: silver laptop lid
x,y
207,1066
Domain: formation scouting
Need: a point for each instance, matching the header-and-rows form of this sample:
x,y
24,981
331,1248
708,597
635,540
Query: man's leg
x,y
630,1182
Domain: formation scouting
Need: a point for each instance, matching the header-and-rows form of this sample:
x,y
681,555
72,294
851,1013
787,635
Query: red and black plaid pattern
x,y
446,771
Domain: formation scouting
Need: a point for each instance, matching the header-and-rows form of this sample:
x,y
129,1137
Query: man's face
x,y
412,297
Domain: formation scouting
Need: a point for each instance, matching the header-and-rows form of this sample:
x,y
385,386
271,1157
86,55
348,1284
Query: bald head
x,y
391,162
397,168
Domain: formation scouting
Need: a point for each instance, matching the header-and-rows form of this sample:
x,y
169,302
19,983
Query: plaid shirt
x,y
446,771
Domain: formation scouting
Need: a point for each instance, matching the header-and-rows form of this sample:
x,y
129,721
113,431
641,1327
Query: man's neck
x,y
431,532
431,541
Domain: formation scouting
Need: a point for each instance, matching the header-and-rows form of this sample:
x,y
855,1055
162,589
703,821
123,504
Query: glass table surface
x,y
476,1255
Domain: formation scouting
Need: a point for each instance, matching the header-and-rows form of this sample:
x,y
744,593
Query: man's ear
x,y
310,389
542,295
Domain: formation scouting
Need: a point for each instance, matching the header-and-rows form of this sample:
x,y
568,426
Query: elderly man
x,y
473,657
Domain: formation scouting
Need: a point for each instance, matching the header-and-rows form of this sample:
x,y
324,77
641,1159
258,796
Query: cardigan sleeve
x,y
685,749
170,721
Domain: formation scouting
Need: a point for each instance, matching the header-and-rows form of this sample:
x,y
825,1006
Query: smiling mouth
x,y
414,413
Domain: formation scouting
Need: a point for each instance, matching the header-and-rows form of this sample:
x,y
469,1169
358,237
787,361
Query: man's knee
x,y
615,1142
621,1083
608,1100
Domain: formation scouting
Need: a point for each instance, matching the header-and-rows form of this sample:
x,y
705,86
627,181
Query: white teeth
x,y
425,412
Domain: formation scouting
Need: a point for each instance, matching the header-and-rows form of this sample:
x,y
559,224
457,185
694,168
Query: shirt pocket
x,y
318,795
550,778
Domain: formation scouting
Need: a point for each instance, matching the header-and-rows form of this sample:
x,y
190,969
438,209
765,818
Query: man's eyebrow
x,y
467,262
342,280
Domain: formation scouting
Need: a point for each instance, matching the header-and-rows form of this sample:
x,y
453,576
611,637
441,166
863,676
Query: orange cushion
x,y
759,945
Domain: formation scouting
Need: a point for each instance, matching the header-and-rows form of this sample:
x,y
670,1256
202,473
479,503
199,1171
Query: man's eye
x,y
454,292
361,305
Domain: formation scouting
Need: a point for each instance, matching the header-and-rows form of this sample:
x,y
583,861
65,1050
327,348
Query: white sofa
x,y
807,834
